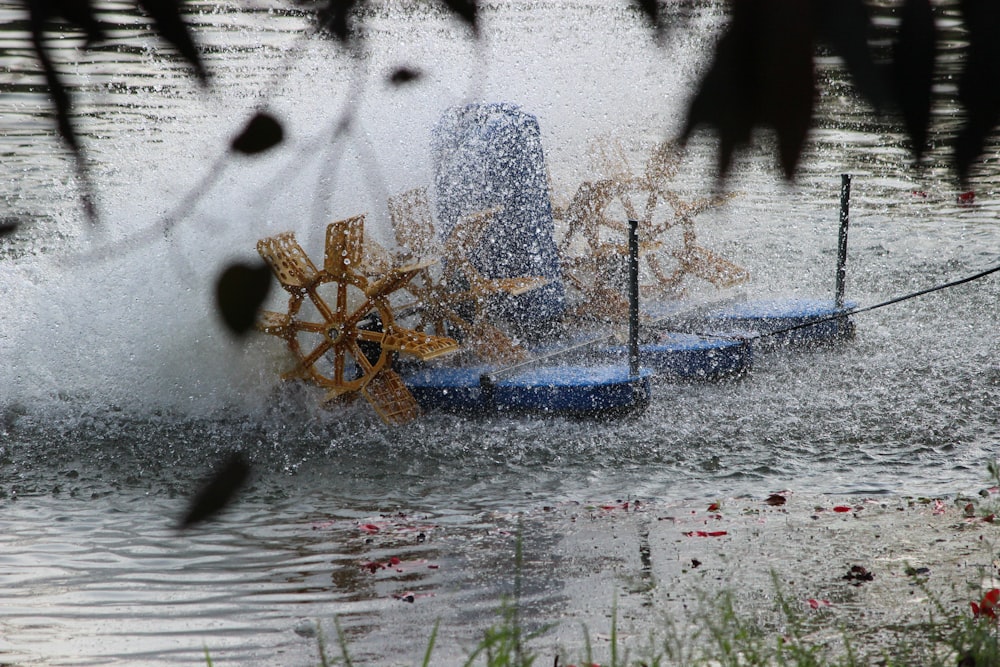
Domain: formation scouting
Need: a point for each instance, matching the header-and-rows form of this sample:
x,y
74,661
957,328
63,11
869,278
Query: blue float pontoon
x,y
686,356
572,389
777,323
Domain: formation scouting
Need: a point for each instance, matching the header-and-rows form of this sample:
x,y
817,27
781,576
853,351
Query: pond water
x,y
120,389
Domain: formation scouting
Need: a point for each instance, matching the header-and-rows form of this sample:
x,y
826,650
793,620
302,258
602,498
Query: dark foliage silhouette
x,y
219,491
239,294
761,76
55,17
979,87
262,132
404,75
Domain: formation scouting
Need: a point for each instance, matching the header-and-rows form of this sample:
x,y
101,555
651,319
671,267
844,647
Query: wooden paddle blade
x,y
608,157
392,400
467,233
491,344
419,344
274,323
289,262
413,222
706,265
345,245
376,260
395,278
663,164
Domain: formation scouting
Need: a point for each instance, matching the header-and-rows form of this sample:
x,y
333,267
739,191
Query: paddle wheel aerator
x,y
340,324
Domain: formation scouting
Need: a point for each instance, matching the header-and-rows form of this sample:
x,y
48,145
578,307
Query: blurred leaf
x,y
57,92
239,293
789,84
404,75
913,69
79,13
467,10
651,10
761,77
169,22
979,86
335,17
723,96
9,226
39,15
261,133
846,26
218,491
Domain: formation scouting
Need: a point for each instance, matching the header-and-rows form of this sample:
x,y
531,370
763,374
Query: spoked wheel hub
x,y
339,324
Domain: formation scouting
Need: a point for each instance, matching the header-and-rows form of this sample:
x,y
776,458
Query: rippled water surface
x,y
120,390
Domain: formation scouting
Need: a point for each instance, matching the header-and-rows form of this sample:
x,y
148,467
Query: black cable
x,y
865,309
493,375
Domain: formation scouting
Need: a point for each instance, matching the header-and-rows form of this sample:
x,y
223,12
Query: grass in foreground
x,y
967,636
728,639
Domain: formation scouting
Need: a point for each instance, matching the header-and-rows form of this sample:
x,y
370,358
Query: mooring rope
x,y
847,312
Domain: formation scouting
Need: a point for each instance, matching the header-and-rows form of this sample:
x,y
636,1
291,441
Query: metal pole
x,y
487,388
845,205
633,298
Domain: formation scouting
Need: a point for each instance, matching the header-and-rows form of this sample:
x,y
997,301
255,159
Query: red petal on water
x,y
369,528
372,566
394,561
967,197
841,508
988,605
706,533
989,518
919,193
616,506
433,566
714,507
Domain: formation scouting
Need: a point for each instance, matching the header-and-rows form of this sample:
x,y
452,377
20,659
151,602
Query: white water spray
x,y
105,322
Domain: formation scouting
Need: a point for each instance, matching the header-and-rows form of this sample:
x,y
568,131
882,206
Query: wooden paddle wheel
x,y
454,296
594,254
340,325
